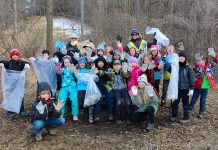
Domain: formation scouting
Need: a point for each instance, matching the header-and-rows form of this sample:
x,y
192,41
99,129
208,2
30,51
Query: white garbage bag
x,y
93,95
45,72
172,92
13,83
162,40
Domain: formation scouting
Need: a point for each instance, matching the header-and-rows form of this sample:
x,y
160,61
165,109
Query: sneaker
x,y
184,120
110,117
38,137
97,118
149,127
173,119
119,122
128,122
201,114
75,118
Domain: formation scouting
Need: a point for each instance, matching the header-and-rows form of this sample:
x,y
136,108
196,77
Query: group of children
x,y
129,75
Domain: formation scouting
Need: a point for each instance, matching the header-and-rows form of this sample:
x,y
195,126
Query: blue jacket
x,y
81,84
68,79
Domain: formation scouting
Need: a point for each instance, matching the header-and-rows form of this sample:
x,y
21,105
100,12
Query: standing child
x,y
68,85
120,91
146,99
204,81
17,65
186,89
45,113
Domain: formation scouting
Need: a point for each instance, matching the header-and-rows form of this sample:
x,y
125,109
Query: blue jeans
x,y
125,95
197,93
110,101
182,94
39,125
11,114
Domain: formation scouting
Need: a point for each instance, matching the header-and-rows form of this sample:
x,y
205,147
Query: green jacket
x,y
152,101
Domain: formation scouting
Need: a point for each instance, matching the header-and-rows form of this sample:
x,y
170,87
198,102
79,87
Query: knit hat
x,y
67,57
153,47
132,59
182,54
82,60
74,35
143,78
116,52
59,55
134,31
14,52
100,59
117,62
101,46
43,86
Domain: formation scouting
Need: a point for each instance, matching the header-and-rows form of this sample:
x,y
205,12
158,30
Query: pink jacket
x,y
134,74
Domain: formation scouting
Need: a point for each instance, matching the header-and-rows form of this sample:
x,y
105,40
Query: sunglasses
x,y
73,38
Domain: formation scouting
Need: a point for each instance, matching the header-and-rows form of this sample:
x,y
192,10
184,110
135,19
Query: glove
x,y
150,91
198,57
76,56
89,52
151,65
144,67
125,67
122,56
40,107
211,52
58,106
109,58
32,59
27,66
134,90
109,71
55,59
129,68
190,93
72,67
161,65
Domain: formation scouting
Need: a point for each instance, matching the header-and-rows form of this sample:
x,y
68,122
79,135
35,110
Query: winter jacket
x,y
14,65
70,47
81,84
206,70
122,76
50,111
152,101
186,79
67,77
134,74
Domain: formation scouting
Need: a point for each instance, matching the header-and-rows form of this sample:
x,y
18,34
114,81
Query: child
x,y
120,91
45,113
157,75
68,85
146,60
146,99
45,54
135,72
204,81
105,86
82,84
133,51
100,51
186,89
17,65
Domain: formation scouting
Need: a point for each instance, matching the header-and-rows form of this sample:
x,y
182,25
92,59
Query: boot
x,y
149,127
201,114
91,119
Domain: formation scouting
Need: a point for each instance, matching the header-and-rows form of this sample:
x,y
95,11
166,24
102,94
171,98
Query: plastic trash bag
x,y
13,83
172,92
162,40
93,95
60,46
45,72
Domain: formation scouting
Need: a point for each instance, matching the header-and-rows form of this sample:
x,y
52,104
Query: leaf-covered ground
x,y
198,134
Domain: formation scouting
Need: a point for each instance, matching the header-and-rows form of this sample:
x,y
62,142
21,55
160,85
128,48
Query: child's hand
x,y
93,67
161,65
144,67
151,65
27,66
58,106
134,90
32,59
125,67
1,64
211,52
190,93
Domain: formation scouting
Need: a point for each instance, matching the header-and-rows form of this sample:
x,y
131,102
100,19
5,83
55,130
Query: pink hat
x,y
153,47
132,59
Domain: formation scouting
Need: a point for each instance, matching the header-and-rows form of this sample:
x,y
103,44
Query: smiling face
x,y
100,64
132,52
135,36
147,60
45,95
116,57
67,63
154,52
117,67
82,65
141,85
15,57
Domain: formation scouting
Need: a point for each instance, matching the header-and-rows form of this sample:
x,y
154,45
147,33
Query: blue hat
x,y
82,60
116,52
134,31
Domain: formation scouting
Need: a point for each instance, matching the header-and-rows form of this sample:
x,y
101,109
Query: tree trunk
x,y
49,17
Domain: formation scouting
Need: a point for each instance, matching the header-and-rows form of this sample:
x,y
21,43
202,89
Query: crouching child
x,y
45,113
146,99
